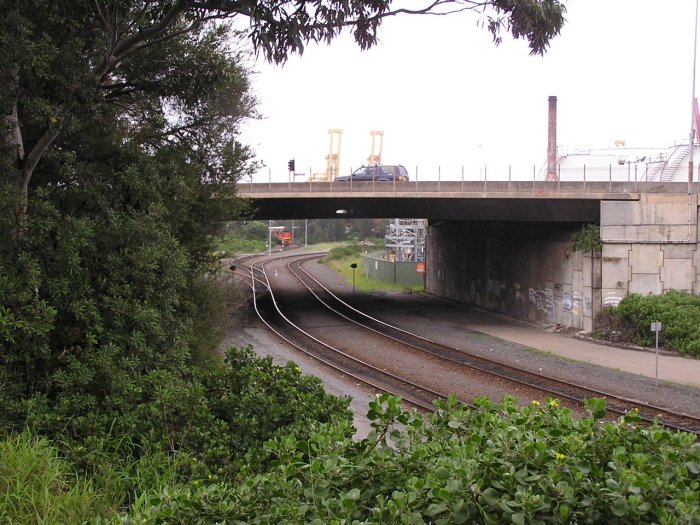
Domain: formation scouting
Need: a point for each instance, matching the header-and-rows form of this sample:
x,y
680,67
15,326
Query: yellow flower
x,y
297,369
559,456
554,403
536,403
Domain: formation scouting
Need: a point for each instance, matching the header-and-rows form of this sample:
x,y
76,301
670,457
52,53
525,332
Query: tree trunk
x,y
13,136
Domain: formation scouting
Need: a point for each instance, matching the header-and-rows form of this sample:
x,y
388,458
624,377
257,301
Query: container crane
x,y
375,154
332,159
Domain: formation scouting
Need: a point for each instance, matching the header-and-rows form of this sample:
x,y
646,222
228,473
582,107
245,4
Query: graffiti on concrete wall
x,y
567,302
576,308
542,299
611,299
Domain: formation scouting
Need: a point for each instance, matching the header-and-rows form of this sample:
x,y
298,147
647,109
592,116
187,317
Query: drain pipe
x,y
552,140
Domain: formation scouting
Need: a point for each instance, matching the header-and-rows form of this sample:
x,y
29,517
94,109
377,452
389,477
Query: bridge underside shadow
x,y
525,270
432,208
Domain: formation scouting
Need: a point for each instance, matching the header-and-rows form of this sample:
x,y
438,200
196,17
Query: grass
x,y
342,267
37,486
231,246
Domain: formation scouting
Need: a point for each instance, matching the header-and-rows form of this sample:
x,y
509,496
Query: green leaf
x,y
354,494
491,496
442,473
619,507
518,518
434,509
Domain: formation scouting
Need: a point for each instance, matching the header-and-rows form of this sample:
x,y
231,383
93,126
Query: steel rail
x,y
647,412
362,379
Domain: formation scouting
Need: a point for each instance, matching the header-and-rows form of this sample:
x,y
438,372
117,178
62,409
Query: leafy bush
x,y
495,464
678,312
232,245
201,423
343,252
587,239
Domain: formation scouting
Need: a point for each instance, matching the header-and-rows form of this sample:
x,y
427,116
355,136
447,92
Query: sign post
x,y
354,267
420,269
656,327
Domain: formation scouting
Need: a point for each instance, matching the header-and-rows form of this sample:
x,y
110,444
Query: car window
x,y
402,171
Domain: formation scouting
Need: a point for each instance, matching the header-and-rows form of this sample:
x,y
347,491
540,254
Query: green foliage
x,y
587,239
343,252
230,246
243,237
196,424
631,320
37,486
494,464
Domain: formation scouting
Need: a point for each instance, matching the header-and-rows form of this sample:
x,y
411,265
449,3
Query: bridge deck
x,y
445,200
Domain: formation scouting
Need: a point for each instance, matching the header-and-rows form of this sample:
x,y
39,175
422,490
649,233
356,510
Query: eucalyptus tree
x,y
66,58
121,119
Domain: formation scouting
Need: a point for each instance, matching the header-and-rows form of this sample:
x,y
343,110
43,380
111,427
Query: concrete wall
x,y
526,271
650,246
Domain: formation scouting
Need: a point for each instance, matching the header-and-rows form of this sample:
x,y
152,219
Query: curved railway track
x,y
268,311
572,394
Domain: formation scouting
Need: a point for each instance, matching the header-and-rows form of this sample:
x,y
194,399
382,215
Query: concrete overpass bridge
x,y
492,201
506,246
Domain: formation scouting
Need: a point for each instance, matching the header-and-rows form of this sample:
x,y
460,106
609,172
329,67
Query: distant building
x,y
621,163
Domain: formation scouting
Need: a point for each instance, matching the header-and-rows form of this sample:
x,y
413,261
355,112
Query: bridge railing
x,y
418,188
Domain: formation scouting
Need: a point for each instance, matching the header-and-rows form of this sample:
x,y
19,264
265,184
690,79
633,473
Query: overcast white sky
x,y
446,96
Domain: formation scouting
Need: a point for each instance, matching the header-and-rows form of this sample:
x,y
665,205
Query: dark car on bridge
x,y
384,172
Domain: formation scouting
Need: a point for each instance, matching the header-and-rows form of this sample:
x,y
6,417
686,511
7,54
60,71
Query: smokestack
x,y
552,140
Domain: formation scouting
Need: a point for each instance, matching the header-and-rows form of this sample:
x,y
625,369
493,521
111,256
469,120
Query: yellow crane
x,y
332,159
375,154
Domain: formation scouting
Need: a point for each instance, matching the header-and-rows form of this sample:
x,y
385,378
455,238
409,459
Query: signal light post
x,y
354,267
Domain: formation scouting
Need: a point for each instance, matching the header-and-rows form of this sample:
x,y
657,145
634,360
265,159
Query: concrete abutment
x,y
529,270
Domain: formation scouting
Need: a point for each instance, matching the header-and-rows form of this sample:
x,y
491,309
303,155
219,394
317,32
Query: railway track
x,y
268,311
573,395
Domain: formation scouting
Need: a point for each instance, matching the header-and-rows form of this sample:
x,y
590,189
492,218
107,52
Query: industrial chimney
x,y
552,141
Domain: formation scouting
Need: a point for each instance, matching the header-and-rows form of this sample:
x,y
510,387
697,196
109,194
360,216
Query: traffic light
x,y
290,165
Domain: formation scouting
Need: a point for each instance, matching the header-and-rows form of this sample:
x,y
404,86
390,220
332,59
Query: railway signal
x,y
354,267
290,165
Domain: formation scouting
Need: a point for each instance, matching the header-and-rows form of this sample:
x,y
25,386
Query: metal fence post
x,y
559,179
